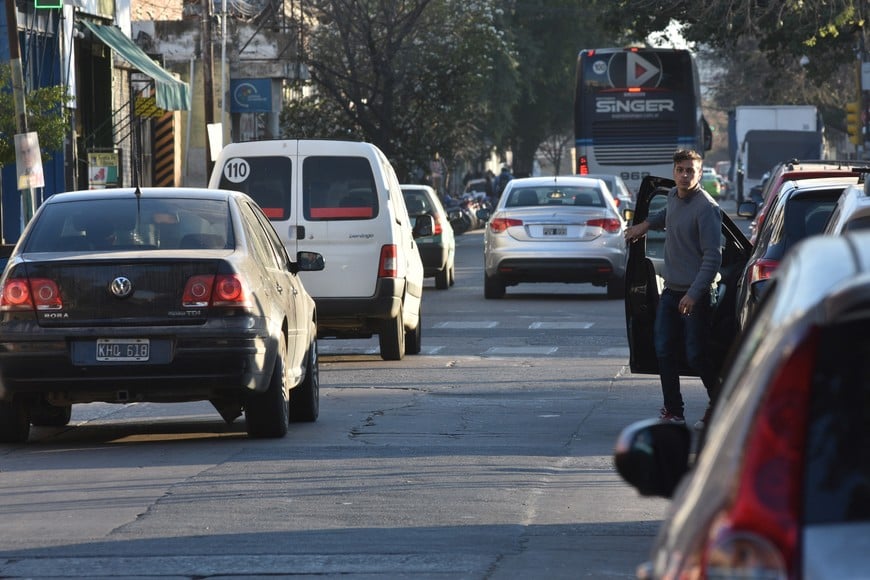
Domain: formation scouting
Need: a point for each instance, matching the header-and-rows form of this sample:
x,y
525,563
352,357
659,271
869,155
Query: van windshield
x,y
338,188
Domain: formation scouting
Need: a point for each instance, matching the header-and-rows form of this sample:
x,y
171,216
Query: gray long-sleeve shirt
x,y
692,241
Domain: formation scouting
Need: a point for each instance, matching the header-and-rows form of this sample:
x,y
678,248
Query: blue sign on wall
x,y
250,95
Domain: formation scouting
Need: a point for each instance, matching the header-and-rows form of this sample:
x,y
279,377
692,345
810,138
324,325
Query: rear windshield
x,y
530,196
338,188
130,224
417,202
837,478
807,217
267,179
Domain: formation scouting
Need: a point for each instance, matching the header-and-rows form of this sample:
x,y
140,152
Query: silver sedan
x,y
555,229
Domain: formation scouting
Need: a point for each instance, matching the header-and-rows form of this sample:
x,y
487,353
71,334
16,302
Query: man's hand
x,y
635,232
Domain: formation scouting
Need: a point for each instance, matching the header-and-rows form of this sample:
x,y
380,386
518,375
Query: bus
x,y
633,107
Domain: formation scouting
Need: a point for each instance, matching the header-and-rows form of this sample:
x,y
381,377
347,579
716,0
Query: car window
x,y
417,202
805,217
262,250
857,223
271,237
837,473
655,239
267,179
338,188
131,224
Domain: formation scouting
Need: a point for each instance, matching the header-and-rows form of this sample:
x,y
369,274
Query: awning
x,y
172,94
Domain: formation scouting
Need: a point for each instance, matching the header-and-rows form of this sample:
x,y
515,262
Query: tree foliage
x,y
825,31
47,115
406,76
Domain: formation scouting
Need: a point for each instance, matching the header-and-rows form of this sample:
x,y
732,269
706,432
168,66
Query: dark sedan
x,y
160,295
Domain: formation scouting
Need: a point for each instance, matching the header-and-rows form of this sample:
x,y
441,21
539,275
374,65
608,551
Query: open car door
x,y
644,283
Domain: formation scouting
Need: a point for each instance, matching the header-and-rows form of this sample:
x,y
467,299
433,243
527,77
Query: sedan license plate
x,y
556,231
123,349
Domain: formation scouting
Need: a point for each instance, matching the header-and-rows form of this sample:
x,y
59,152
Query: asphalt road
x,y
487,456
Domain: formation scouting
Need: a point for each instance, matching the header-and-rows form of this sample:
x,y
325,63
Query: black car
x,y
800,209
643,282
160,295
781,488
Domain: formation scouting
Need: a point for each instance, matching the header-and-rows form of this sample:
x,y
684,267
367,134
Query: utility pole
x,y
207,79
28,197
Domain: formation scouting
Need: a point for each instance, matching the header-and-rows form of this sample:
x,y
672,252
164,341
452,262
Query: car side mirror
x,y
307,262
747,209
424,225
653,456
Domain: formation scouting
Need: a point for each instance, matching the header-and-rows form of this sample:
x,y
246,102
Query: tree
x,y
406,76
547,36
824,31
47,115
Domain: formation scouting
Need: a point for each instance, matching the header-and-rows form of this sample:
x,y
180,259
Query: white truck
x,y
767,135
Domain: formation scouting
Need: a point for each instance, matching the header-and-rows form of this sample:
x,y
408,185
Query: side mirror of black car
x,y
307,262
747,209
653,456
424,225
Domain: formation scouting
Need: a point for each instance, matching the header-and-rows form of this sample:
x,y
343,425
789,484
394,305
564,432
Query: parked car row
x,y
778,485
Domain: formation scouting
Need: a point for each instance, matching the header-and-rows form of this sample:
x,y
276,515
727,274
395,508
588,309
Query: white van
x,y
343,199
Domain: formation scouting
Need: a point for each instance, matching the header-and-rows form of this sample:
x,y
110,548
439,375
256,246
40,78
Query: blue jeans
x,y
677,334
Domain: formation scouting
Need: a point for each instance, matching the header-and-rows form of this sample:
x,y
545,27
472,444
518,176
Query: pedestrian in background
x,y
692,221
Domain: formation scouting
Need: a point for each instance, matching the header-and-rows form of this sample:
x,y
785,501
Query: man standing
x,y
692,221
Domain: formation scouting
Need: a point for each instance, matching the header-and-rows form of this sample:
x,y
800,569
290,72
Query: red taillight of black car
x,y
30,294
221,290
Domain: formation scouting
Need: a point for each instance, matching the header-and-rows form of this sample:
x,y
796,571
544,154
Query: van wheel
x,y
14,422
493,287
305,399
442,278
267,413
414,338
392,338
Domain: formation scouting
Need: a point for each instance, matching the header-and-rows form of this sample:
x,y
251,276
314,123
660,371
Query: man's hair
x,y
686,155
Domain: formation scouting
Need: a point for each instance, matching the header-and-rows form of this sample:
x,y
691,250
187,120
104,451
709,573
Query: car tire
x,y
305,398
392,337
442,278
267,414
46,415
14,422
452,274
616,288
493,287
414,338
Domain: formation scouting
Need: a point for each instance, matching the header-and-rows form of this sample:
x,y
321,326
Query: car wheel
x,y
493,287
414,338
305,399
46,415
14,422
616,288
442,278
392,338
267,413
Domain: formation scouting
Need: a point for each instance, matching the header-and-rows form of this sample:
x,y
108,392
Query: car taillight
x,y
582,166
499,225
609,225
439,229
757,535
221,290
30,294
762,270
389,264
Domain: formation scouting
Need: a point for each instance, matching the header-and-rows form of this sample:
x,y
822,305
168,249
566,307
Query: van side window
x,y
338,188
266,179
